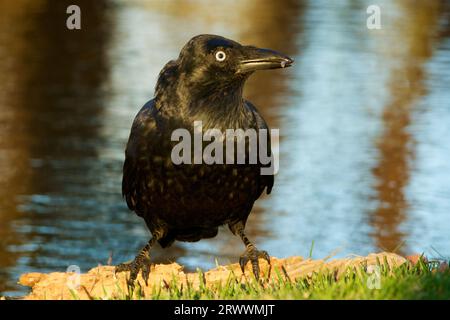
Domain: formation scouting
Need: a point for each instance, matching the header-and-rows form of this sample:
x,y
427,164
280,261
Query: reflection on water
x,y
363,116
405,86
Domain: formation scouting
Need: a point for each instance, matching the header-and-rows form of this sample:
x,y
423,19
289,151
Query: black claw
x,y
146,272
122,267
130,284
253,255
255,265
266,256
243,260
134,267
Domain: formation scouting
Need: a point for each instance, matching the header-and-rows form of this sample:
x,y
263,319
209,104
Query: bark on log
x,y
102,283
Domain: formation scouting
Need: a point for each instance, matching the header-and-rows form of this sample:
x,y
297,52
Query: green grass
x,y
422,281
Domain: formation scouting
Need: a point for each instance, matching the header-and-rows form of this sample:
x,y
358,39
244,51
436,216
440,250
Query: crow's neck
x,y
219,105
215,97
216,104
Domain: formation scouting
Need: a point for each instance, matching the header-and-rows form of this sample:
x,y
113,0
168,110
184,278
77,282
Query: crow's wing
x,y
266,181
143,137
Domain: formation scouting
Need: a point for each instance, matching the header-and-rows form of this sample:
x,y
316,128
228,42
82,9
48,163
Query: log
x,y
102,283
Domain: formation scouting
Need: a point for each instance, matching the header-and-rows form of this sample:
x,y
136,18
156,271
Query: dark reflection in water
x,y
363,117
417,27
50,139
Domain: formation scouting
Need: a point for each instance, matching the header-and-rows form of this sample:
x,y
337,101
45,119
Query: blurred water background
x,y
364,119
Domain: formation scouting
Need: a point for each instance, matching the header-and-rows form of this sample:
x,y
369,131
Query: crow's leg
x,y
251,254
141,262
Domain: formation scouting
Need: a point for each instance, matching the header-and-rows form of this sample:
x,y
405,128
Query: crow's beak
x,y
260,59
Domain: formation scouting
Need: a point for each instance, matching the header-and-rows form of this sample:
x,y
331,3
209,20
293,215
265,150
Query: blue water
x,y
364,119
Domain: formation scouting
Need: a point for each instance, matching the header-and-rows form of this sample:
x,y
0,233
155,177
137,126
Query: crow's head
x,y
211,60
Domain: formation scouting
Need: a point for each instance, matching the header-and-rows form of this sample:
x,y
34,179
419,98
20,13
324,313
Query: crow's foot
x,y
141,262
252,255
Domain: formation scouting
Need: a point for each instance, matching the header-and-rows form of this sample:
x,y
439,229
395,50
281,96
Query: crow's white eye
x,y
220,56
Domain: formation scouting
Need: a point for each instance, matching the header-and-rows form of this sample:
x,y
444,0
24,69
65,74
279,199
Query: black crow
x,y
189,201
